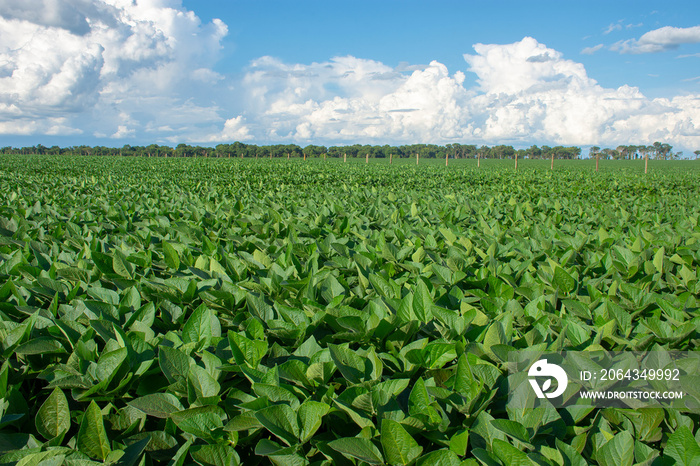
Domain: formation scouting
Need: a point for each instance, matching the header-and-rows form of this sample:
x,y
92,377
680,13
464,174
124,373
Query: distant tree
x,y
502,152
609,153
632,150
468,150
662,151
545,152
315,151
184,150
623,152
534,152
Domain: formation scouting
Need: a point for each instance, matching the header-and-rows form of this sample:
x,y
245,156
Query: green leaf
x,y
331,288
510,455
202,324
439,353
563,281
310,415
459,442
53,417
203,422
44,458
245,350
121,266
399,447
439,457
160,405
181,454
109,363
281,420
360,448
276,394
359,418
570,455
41,345
449,236
171,256
383,287
201,384
683,447
133,453
349,363
422,302
131,299
419,399
495,335
174,363
618,451
659,259
92,436
512,429
214,455
266,447
259,308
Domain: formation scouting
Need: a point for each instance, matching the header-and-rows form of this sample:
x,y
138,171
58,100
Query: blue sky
x,y
115,72
421,31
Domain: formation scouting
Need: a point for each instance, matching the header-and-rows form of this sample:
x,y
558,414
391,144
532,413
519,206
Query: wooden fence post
x,y
646,162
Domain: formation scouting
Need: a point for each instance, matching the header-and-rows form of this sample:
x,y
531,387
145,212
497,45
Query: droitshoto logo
x,y
544,369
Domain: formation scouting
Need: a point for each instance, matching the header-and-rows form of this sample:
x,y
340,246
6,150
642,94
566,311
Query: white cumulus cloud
x,y
234,129
659,40
525,92
351,99
531,92
91,61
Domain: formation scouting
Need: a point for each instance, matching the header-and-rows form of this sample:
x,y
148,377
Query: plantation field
x,y
226,311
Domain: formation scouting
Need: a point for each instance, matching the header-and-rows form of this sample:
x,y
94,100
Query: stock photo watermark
x,y
668,379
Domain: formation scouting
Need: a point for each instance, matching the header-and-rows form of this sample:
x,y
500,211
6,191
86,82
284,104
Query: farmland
x,y
224,311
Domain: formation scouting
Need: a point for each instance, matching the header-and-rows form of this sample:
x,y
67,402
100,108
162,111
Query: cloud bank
x,y
87,66
526,92
659,40
143,72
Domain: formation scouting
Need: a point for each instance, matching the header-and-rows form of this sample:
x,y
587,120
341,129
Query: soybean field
x,y
240,311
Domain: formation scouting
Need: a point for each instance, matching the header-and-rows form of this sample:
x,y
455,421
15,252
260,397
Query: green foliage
x,y
211,311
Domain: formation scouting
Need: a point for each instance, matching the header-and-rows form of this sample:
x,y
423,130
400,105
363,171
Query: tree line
x,y
658,151
460,151
239,149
